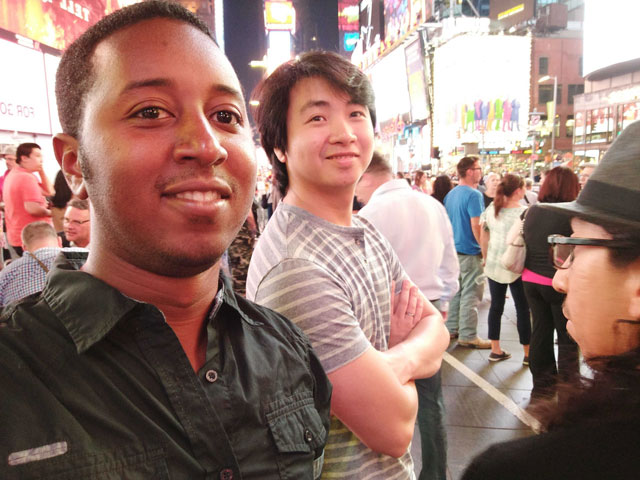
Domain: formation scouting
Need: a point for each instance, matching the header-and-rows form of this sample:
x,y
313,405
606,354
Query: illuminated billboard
x,y
55,23
279,16
416,82
371,23
24,104
608,39
485,98
511,12
348,25
402,17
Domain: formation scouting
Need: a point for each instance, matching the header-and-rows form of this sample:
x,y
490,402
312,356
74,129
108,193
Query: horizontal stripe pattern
x,y
334,282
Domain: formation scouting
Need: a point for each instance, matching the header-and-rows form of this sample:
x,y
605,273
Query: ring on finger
x,y
410,314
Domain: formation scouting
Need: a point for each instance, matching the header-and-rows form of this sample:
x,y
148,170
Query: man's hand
x,y
406,310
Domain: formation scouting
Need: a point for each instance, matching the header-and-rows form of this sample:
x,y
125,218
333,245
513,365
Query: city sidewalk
x,y
475,419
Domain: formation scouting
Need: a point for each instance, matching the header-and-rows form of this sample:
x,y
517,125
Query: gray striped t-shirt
x,y
334,282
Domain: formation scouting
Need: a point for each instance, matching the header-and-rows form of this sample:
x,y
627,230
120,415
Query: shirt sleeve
x,y
313,299
476,204
449,269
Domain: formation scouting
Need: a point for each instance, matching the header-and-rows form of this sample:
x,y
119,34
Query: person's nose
x,y
198,140
342,131
560,280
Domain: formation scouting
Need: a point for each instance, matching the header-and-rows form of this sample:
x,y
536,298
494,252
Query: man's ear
x,y
280,155
65,148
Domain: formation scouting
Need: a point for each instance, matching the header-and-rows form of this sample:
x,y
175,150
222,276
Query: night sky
x,y
245,37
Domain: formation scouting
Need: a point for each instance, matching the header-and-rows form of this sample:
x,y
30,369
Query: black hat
x,y
612,194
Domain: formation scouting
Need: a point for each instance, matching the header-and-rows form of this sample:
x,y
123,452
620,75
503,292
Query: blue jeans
x,y
463,309
433,435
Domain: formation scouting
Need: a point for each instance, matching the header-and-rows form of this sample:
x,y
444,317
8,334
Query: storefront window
x,y
601,125
630,113
569,126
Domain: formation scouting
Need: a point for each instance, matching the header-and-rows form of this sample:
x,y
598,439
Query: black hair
x,y
75,75
24,149
62,191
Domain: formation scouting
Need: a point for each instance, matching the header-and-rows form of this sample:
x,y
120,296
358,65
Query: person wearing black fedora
x,y
593,433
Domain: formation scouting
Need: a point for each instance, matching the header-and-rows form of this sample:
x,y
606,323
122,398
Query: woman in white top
x,y
496,221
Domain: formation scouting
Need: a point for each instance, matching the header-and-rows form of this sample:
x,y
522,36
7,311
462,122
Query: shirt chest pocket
x,y
299,436
134,463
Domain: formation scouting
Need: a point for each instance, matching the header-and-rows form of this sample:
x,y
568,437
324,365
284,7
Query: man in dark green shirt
x,y
138,361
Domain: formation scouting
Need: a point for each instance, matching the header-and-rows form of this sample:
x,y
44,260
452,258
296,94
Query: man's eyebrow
x,y
314,103
165,82
151,82
226,89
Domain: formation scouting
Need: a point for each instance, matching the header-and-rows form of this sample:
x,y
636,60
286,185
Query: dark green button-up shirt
x,y
94,384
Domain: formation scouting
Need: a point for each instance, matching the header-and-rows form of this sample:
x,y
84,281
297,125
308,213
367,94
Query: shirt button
x,y
226,474
211,377
308,436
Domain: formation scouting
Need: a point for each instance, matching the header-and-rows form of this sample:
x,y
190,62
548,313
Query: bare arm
x,y
484,242
419,355
47,186
37,210
475,228
364,388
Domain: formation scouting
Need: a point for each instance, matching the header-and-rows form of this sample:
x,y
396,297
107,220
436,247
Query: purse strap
x,y
42,265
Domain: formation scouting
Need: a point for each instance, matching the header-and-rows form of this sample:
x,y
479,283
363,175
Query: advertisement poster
x,y
485,99
55,23
416,81
24,105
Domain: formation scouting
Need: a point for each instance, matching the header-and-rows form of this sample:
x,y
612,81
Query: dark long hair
x,y
560,185
63,192
507,186
441,186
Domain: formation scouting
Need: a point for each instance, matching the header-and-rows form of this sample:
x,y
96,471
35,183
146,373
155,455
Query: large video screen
x,y
55,23
608,33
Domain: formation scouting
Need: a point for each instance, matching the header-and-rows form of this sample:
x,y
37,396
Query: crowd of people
x,y
129,355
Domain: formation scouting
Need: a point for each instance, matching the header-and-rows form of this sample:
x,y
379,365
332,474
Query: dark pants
x,y
546,311
433,437
498,293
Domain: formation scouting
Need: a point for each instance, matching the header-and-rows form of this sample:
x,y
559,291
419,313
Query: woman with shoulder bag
x,y
560,185
497,220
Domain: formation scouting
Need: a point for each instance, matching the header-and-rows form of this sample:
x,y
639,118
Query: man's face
x,y
584,175
11,161
474,174
330,139
593,307
33,162
77,226
165,141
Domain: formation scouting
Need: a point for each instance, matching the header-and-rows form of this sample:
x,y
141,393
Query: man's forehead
x,y
137,52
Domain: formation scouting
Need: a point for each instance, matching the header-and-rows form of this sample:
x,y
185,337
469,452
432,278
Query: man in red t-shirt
x,y
23,195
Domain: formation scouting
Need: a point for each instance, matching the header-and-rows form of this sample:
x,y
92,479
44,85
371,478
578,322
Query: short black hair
x,y
25,149
274,92
75,75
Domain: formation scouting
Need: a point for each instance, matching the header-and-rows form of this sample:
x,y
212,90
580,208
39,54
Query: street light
x,y
553,125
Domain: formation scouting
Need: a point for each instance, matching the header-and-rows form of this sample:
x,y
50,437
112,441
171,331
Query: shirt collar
x,y
71,294
395,184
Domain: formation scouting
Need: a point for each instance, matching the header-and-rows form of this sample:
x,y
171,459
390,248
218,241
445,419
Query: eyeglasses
x,y
561,251
77,223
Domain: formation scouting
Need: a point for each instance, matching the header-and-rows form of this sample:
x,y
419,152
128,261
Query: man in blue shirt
x,y
464,206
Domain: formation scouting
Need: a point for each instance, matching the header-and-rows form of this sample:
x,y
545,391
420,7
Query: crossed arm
x,y
383,381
